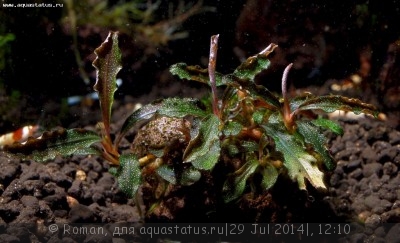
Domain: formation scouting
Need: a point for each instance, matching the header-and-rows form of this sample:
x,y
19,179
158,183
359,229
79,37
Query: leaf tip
x,y
268,49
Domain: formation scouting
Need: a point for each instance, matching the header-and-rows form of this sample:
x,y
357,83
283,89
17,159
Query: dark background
x,y
324,40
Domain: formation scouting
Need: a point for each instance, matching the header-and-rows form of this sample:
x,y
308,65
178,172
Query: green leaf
x,y
208,160
4,39
312,135
128,174
108,64
61,142
258,116
232,128
231,149
332,103
113,171
167,173
269,176
144,113
255,64
203,151
156,152
181,107
297,101
188,176
195,73
250,146
328,124
173,107
299,163
89,151
235,185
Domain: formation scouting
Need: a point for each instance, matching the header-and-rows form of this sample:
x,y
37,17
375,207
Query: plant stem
x,y
284,80
211,72
287,117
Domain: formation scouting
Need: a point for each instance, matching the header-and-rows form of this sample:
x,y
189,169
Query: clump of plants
x,y
186,137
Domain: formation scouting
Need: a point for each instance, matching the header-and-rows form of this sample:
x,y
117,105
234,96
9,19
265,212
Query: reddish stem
x,y
284,80
211,72
287,116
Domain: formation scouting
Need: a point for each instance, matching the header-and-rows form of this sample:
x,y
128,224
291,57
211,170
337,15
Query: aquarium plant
x,y
182,138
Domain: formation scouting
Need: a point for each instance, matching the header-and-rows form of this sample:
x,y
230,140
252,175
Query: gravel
x,y
363,190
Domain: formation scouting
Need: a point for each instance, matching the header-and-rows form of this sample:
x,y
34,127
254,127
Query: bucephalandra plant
x,y
185,137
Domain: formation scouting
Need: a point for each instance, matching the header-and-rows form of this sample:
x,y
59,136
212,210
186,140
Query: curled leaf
x,y
255,64
108,64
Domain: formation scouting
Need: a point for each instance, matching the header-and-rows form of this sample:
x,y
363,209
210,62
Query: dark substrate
x,y
363,190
